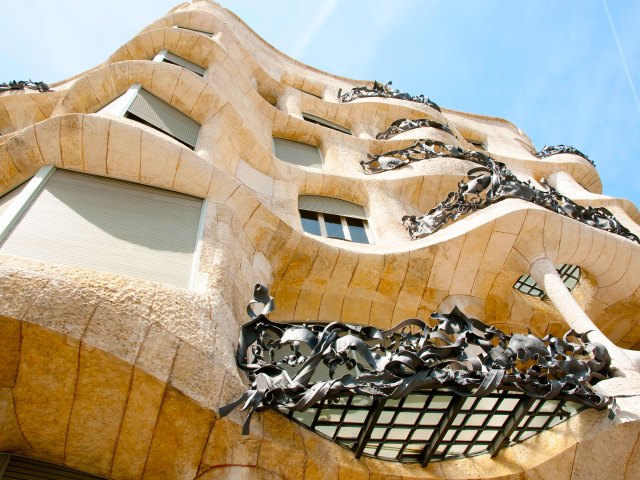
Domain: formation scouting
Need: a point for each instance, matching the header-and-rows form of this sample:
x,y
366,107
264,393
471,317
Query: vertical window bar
x,y
323,227
345,228
502,438
445,422
370,423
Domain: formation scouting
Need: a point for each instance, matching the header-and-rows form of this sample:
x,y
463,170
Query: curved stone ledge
x,y
192,46
114,147
177,86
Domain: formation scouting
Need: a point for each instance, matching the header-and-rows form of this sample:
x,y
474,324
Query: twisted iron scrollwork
x,y
420,150
383,90
547,151
493,182
403,124
288,364
22,84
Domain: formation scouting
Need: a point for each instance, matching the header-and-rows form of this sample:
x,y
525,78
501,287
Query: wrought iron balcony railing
x,y
547,151
492,182
383,90
403,125
420,391
22,84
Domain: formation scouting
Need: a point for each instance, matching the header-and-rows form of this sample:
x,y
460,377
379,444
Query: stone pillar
x,y
545,274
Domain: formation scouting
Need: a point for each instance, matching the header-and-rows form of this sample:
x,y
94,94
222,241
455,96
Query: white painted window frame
x,y
345,227
34,186
23,200
162,54
120,106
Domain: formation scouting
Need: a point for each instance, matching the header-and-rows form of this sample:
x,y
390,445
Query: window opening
x,y
325,123
168,57
297,153
570,275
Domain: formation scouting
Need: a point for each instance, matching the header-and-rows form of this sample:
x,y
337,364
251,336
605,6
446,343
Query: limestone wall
x,y
123,377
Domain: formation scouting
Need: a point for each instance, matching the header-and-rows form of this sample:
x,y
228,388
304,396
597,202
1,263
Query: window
x,y
297,153
168,57
430,425
334,218
104,224
15,467
208,34
570,275
144,107
325,123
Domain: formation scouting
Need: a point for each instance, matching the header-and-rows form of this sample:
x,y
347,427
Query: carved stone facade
x,y
123,377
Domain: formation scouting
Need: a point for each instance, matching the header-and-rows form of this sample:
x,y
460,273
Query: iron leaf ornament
x,y
383,90
547,151
24,84
493,182
297,366
420,150
404,124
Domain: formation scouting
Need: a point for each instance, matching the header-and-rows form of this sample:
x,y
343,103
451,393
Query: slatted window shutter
x,y
22,468
334,206
172,58
150,109
297,153
110,225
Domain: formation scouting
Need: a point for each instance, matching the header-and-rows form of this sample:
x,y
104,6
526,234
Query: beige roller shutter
x,y
171,58
110,225
316,203
297,153
7,198
166,118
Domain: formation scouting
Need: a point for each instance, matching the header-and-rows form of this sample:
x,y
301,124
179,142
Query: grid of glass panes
x,y
405,427
340,421
541,416
570,275
335,226
475,427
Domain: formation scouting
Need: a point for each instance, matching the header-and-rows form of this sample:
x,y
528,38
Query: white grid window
x,y
334,218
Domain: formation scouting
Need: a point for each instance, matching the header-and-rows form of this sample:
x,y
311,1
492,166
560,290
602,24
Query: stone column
x,y
545,274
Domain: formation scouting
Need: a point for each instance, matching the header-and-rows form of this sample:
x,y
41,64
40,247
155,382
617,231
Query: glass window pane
x,y
349,432
310,222
305,417
334,226
398,434
357,231
407,418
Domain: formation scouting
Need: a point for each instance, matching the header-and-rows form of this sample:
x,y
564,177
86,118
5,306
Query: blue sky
x,y
551,67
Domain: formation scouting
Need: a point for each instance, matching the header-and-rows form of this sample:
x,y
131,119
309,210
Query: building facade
x,y
142,200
